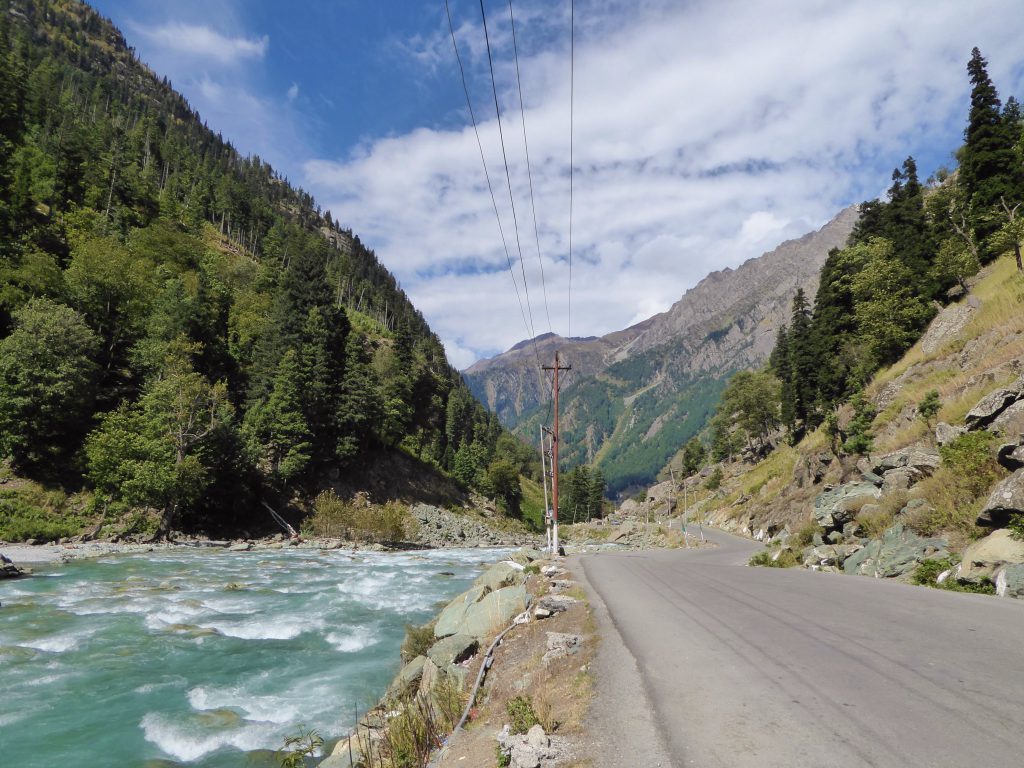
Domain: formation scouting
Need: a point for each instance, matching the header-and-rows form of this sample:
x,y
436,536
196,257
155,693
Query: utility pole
x,y
544,479
557,367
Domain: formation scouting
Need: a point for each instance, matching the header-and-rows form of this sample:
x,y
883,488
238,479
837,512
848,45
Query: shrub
x,y
928,572
714,482
766,559
956,489
520,712
333,517
417,641
1017,526
32,512
804,535
298,747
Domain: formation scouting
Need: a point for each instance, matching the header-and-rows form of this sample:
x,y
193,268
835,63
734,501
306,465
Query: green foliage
x,y
859,438
928,571
521,714
714,481
750,403
417,641
357,520
501,759
766,558
972,457
298,747
694,456
582,494
929,407
118,204
32,512
1016,526
47,381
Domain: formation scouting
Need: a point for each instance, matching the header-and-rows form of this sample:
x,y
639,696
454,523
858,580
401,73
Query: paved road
x,y
764,667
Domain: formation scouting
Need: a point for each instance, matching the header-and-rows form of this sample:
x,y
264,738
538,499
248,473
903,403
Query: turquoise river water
x,y
204,658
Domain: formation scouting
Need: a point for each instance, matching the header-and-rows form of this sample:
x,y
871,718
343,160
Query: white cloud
x,y
293,92
205,43
705,134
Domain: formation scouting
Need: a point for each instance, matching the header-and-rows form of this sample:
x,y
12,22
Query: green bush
x,y
31,512
521,713
972,458
764,559
417,641
333,517
928,572
714,482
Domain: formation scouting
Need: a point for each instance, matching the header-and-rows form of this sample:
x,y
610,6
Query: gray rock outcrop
x,y
897,553
1010,582
452,650
947,433
495,611
838,506
1006,499
992,405
1011,455
984,556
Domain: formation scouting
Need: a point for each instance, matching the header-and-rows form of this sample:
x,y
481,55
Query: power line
x,y
508,175
487,175
572,106
529,172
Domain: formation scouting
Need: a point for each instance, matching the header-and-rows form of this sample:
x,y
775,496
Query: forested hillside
x,y
184,331
829,383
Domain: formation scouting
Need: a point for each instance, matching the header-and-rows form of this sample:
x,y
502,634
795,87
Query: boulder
x,y
525,556
408,677
556,603
536,737
345,754
560,644
901,479
621,531
431,675
1006,499
503,574
1011,455
451,617
629,507
9,570
983,556
897,553
992,405
1010,582
947,433
915,458
457,675
838,506
1010,422
524,756
835,554
494,612
451,650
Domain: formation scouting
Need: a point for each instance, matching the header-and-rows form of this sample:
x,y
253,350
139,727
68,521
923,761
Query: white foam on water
x,y
269,709
352,640
265,628
189,742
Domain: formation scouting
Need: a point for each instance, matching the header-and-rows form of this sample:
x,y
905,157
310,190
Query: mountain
x,y
184,333
636,395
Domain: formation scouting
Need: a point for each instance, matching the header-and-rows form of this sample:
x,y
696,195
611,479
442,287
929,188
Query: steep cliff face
x,y
636,394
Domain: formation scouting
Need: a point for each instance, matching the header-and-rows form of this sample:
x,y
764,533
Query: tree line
x,y
908,254
181,329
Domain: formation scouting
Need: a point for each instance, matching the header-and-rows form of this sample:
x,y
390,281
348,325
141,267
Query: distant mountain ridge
x,y
635,395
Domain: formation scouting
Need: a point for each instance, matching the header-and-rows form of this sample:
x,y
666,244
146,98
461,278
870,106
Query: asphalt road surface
x,y
767,667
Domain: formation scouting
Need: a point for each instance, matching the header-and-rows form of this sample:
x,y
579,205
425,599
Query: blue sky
x,y
706,132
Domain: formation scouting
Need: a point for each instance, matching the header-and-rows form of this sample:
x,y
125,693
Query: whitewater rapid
x,y
194,657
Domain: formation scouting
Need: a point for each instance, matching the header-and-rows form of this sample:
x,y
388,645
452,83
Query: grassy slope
x,y
963,369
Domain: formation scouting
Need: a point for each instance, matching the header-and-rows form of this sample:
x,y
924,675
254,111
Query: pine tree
x,y
804,362
282,425
989,170
780,365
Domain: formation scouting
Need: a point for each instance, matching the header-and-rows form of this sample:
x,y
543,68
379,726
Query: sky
x,y
704,132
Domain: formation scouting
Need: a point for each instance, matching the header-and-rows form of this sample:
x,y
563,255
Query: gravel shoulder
x,y
620,697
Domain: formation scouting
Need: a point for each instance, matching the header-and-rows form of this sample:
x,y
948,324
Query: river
x,y
196,657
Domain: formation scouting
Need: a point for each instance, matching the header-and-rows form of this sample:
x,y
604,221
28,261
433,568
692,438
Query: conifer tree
x,y
803,361
989,170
